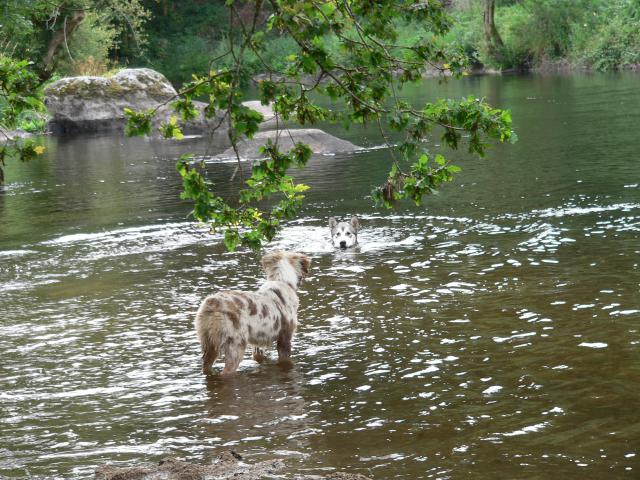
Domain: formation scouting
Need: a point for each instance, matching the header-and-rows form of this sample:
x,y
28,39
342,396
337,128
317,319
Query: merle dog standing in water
x,y
344,234
229,320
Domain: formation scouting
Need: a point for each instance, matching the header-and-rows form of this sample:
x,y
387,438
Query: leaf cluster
x,y
366,77
20,93
19,90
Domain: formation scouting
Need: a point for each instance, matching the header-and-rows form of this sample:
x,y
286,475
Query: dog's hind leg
x,y
208,327
233,355
209,355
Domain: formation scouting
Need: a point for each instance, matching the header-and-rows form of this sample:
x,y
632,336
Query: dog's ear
x,y
355,223
270,262
305,264
333,223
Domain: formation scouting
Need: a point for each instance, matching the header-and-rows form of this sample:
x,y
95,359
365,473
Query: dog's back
x,y
227,321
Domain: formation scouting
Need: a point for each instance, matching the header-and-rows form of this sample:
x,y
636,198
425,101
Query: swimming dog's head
x,y
344,234
288,267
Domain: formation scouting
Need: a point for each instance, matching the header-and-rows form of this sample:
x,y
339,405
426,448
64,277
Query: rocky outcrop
x,y
95,104
317,140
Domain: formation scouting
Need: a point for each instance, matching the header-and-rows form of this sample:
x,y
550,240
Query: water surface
x,y
493,333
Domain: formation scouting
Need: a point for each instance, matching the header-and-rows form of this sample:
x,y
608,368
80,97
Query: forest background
x,y
180,38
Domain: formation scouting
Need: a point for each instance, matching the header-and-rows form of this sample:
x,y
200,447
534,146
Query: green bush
x,y
19,90
89,48
598,34
467,31
31,121
613,42
276,50
179,58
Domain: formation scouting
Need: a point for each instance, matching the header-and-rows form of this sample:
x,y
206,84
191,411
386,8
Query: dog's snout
x,y
343,244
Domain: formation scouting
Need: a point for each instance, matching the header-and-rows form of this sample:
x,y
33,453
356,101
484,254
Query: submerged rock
x,y
94,104
226,466
346,476
317,140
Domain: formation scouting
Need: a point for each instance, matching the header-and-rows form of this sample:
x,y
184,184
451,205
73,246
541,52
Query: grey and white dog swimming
x,y
344,234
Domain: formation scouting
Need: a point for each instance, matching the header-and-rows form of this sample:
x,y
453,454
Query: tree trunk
x,y
495,45
59,37
165,8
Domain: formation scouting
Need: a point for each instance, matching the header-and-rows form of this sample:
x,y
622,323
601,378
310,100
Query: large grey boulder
x,y
93,104
317,140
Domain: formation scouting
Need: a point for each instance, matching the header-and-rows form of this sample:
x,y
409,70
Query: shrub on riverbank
x,y
613,41
595,34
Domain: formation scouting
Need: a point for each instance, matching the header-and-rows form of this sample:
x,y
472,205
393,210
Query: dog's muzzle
x,y
343,244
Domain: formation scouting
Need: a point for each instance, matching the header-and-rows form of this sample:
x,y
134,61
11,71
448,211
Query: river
x,y
492,333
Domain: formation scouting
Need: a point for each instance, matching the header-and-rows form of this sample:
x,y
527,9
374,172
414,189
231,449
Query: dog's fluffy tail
x,y
209,327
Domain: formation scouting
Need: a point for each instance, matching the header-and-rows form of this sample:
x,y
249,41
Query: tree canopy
x,y
43,31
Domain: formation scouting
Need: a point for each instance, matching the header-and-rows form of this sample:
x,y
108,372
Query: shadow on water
x,y
492,333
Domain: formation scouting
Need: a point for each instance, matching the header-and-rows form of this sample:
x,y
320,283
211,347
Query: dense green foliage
x,y
598,34
62,35
179,38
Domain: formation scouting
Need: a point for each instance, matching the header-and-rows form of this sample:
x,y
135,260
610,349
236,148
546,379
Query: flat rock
x,y
266,110
96,104
318,141
11,135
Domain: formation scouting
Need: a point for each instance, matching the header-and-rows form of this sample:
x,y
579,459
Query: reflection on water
x,y
493,333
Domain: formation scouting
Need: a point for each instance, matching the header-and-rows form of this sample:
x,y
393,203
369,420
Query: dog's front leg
x,y
258,355
284,346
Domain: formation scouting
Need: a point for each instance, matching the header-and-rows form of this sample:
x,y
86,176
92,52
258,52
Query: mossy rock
x,y
91,104
138,81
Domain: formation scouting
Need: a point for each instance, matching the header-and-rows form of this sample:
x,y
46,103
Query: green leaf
x,y
300,187
231,239
171,129
138,123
